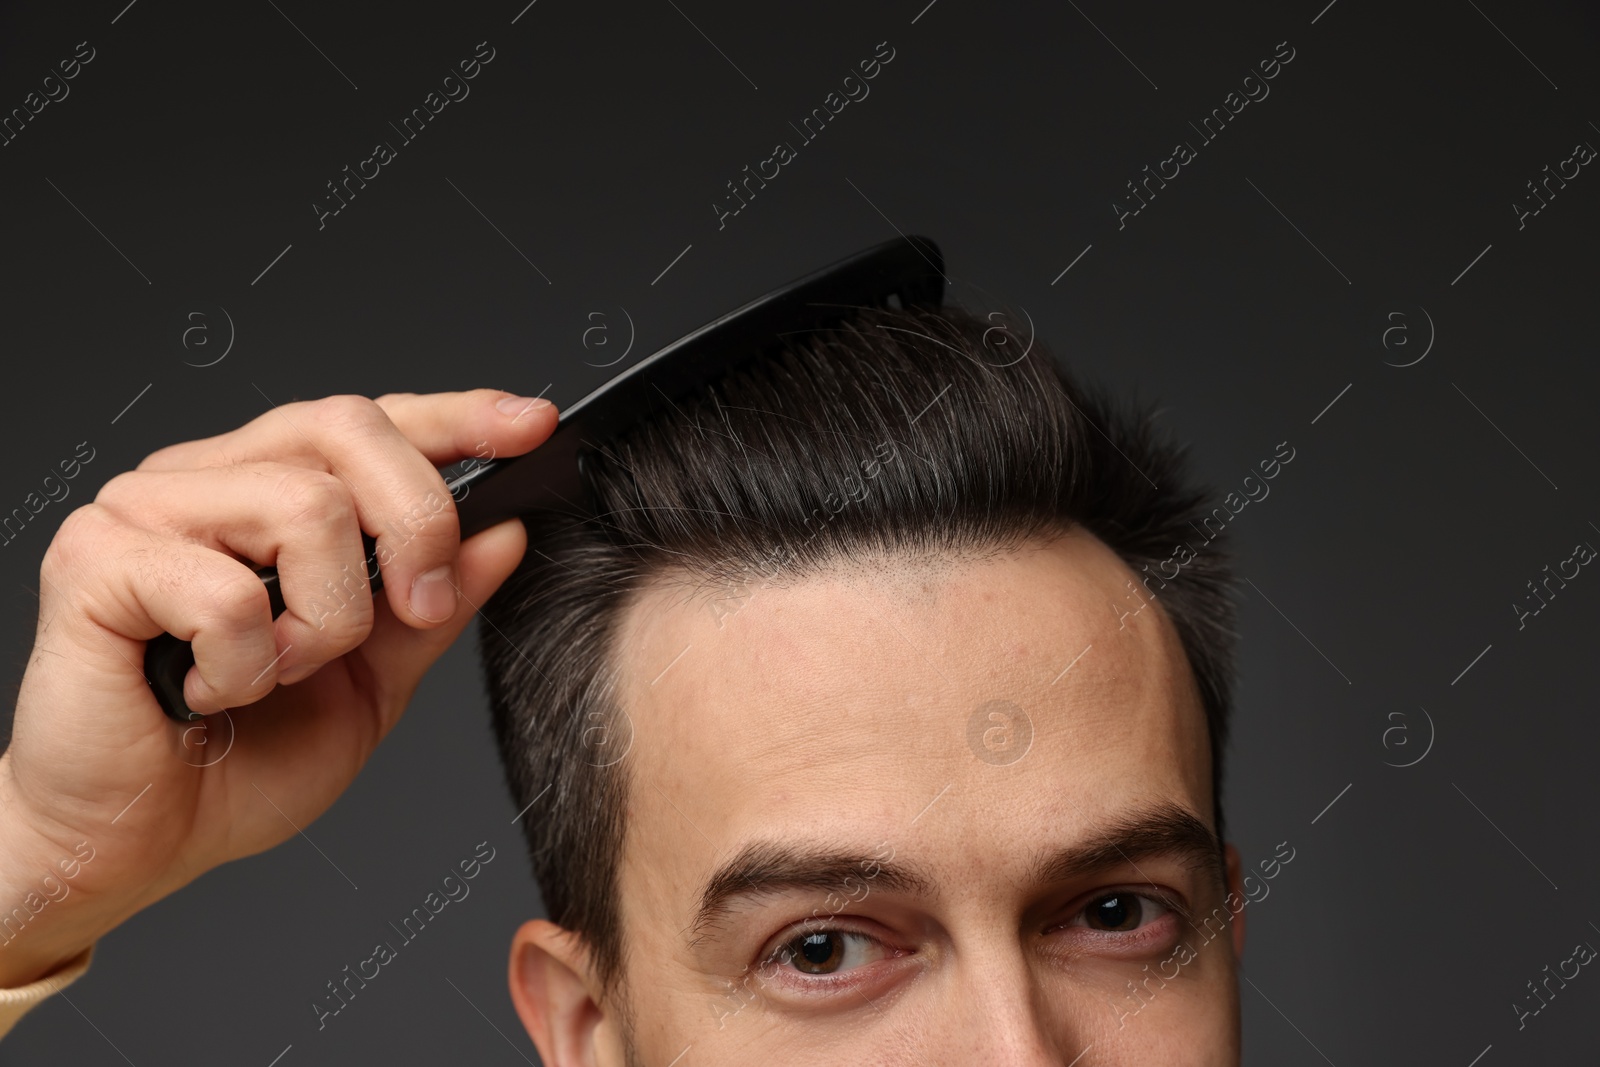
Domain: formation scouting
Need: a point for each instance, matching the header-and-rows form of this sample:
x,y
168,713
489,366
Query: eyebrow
x,y
766,868
1164,829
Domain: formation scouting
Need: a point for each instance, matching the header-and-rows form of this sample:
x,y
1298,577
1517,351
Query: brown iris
x,y
820,952
1120,911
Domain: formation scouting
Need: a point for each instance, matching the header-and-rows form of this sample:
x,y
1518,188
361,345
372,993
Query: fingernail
x,y
517,406
433,594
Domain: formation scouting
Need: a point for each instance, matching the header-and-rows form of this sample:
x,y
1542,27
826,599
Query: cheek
x,y
1197,1027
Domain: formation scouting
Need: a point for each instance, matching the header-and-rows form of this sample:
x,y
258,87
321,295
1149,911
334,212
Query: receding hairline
x,y
887,569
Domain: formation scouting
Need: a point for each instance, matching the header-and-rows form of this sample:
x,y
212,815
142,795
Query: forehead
x,y
1029,695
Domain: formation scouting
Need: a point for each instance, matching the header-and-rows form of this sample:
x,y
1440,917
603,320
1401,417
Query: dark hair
x,y
902,432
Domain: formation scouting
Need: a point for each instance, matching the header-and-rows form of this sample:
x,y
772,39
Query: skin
x,y
107,806
831,715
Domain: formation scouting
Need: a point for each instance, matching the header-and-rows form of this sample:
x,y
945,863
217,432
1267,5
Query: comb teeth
x,y
898,274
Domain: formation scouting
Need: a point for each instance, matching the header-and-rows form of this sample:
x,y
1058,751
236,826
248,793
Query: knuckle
x,y
121,488
158,459
81,537
187,455
313,498
340,608
389,399
238,602
350,412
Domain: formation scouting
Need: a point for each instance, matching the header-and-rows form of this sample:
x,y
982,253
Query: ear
x,y
553,989
1236,885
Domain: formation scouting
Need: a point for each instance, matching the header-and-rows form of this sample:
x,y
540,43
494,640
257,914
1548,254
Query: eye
x,y
1120,924
829,951
1123,912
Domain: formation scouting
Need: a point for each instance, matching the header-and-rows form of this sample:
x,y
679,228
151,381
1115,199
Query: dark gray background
x,y
1246,297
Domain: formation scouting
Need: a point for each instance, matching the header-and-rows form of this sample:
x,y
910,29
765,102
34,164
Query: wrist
x,y
35,959
46,916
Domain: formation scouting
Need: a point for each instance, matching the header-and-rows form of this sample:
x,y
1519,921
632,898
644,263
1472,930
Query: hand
x,y
95,768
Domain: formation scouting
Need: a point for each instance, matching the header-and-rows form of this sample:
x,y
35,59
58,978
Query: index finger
x,y
447,427
444,427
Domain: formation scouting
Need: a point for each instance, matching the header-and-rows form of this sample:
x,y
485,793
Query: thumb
x,y
400,655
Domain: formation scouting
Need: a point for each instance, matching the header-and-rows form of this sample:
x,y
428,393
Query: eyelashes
x,y
1121,924
1123,911
826,956
830,950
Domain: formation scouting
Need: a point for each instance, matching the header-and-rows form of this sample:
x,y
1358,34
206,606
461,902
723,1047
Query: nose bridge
x,y
996,1013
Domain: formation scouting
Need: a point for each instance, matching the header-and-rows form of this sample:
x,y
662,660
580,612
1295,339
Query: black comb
x,y
905,272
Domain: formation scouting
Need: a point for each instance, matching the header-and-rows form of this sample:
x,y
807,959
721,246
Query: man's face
x,y
938,815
